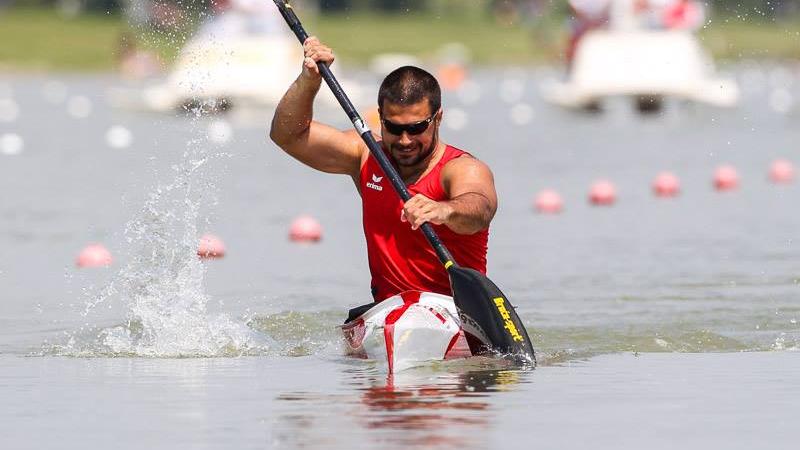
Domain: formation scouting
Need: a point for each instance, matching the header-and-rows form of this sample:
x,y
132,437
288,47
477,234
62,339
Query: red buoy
x,y
603,193
781,171
548,201
94,255
210,247
305,229
666,184
726,178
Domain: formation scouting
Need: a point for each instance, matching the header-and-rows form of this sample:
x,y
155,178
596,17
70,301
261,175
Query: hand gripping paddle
x,y
486,308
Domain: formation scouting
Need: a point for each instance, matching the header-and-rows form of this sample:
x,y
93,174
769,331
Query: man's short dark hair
x,y
409,85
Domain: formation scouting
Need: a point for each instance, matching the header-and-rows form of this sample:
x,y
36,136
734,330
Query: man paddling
x,y
451,189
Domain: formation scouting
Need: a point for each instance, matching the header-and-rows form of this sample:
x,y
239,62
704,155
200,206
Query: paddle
x,y
486,308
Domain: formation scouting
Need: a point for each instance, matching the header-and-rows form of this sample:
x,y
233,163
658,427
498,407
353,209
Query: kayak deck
x,y
407,330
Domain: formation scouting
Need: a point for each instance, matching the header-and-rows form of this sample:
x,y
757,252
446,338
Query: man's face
x,y
407,149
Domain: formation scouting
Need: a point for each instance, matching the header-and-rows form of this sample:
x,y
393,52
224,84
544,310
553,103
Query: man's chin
x,y
406,159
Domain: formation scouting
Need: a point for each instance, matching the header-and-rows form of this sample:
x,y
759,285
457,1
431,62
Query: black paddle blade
x,y
489,310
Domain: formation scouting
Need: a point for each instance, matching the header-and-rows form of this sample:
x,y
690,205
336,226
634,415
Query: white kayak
x,y
410,329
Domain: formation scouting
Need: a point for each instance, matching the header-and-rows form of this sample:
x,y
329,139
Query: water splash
x,y
161,286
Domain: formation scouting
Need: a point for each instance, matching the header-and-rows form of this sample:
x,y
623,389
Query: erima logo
x,y
373,185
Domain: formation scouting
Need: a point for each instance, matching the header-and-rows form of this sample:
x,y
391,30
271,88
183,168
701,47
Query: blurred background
x,y
98,33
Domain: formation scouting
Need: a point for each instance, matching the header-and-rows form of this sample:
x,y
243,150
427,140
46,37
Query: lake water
x,y
658,322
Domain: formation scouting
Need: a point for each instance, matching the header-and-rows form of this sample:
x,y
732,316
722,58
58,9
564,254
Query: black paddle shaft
x,y
366,134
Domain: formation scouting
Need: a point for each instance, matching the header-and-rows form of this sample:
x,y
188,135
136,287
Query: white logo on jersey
x,y
375,179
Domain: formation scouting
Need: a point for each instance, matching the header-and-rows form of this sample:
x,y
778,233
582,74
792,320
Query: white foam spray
x,y
161,286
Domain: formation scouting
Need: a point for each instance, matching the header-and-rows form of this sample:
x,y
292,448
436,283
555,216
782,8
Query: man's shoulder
x,y
463,161
467,170
360,145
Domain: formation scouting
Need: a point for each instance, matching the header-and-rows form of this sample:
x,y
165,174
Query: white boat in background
x,y
410,329
242,56
664,63
644,50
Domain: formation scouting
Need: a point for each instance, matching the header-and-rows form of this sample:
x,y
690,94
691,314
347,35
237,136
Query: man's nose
x,y
405,138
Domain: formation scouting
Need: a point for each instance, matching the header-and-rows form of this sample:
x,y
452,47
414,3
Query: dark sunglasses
x,y
411,128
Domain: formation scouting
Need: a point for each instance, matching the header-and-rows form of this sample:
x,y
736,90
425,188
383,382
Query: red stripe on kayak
x,y
409,298
452,343
388,336
437,314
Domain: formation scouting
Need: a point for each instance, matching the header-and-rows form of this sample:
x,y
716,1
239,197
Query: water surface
x,y
162,350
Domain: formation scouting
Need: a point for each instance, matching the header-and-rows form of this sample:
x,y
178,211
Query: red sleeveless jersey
x,y
401,259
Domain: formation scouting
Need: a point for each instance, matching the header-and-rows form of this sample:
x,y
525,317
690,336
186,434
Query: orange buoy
x,y
726,178
451,76
781,171
210,247
305,229
666,184
373,119
603,193
94,255
548,201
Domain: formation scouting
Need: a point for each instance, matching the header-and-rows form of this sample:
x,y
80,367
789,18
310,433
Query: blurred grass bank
x,y
42,39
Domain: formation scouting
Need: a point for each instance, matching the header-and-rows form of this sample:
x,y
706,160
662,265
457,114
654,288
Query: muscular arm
x,y
473,201
472,212
470,186
314,144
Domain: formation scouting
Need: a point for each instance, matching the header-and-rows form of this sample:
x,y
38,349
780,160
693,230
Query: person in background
x,y
133,62
683,15
587,15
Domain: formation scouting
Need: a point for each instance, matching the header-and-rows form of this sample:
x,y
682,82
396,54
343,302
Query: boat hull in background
x,y
645,64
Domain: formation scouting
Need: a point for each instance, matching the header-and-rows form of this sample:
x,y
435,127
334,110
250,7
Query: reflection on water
x,y
731,400
417,408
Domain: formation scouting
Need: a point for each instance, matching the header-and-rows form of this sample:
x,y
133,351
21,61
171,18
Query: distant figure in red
x,y
588,15
683,15
133,62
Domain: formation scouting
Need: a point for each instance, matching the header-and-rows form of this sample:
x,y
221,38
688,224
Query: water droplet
x,y
79,107
119,137
470,92
54,92
456,119
9,110
521,114
781,101
11,144
511,90
220,131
